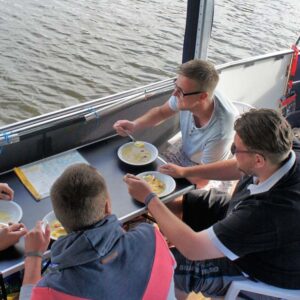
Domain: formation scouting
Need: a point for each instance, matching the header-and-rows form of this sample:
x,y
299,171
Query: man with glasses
x,y
206,118
253,234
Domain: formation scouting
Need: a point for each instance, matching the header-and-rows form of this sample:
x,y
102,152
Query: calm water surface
x,y
59,53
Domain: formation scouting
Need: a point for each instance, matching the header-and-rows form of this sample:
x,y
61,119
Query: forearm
x,y
221,170
33,266
177,232
153,117
193,245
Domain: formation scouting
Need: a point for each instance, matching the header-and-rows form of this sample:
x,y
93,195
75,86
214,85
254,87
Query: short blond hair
x,y
202,72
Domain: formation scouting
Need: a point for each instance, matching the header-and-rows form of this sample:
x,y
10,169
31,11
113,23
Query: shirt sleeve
x,y
173,103
247,229
26,291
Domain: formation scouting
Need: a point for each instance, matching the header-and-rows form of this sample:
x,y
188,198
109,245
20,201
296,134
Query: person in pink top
x,y
97,259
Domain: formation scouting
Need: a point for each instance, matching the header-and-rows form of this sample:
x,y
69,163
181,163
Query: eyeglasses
x,y
234,150
181,92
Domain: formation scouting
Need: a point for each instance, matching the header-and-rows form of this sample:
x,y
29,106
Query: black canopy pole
x,y
191,25
199,20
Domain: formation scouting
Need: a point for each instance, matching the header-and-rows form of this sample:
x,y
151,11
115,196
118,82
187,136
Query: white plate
x,y
10,211
169,182
49,219
149,147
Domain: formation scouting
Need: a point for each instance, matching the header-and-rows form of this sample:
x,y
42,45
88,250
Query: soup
x,y
156,185
136,153
4,217
57,229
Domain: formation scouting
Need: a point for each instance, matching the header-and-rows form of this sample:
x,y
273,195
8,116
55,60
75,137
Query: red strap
x,y
294,61
44,293
288,100
162,271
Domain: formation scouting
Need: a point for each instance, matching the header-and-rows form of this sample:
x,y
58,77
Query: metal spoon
x,y
132,138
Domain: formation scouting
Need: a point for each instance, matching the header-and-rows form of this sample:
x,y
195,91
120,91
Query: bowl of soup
x,y
10,212
161,184
137,153
56,229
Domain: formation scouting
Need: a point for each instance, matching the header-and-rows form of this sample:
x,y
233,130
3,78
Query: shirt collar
x,y
272,180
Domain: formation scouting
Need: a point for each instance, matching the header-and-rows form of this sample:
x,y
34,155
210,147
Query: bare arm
x,y
35,241
193,245
155,116
151,118
33,268
220,170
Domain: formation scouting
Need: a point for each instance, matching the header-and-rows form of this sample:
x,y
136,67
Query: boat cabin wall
x,y
259,81
41,142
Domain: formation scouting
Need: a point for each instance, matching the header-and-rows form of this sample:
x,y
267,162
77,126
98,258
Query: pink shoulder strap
x,y
45,293
162,271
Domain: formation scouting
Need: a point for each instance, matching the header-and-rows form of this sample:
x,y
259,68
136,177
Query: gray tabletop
x,y
103,156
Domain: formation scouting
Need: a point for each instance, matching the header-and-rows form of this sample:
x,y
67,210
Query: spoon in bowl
x,y
132,138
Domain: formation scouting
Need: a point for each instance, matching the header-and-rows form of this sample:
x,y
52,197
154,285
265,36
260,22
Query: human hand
x,y
172,170
10,235
6,193
36,240
123,127
137,187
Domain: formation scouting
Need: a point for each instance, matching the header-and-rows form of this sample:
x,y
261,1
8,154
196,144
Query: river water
x,y
55,53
